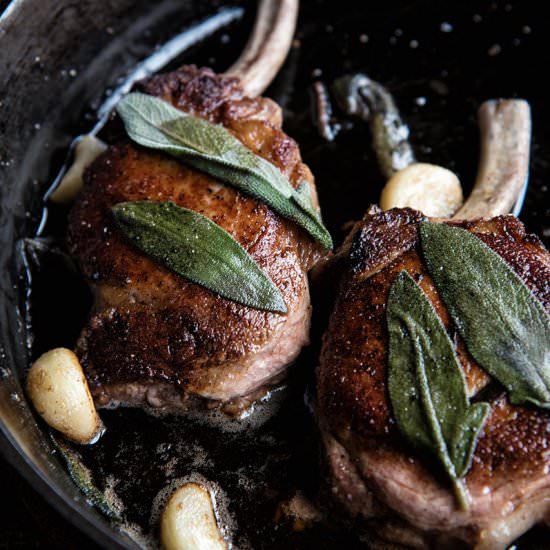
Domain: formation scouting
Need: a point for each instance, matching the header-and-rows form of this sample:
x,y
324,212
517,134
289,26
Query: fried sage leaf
x,y
153,123
427,386
82,478
504,326
196,248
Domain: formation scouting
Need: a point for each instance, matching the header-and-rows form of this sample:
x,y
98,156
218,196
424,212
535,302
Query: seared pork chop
x,y
373,474
153,338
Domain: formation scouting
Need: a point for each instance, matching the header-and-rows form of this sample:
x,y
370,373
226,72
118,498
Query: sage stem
x,y
462,494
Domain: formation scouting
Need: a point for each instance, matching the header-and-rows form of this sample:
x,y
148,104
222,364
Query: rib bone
x,y
505,127
268,45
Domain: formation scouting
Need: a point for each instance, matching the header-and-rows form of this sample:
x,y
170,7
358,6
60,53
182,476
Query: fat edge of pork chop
x,y
153,338
373,475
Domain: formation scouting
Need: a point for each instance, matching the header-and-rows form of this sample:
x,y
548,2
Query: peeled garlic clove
x,y
86,151
59,392
188,521
433,190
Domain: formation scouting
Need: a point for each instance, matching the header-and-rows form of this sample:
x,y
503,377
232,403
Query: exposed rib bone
x,y
268,45
505,127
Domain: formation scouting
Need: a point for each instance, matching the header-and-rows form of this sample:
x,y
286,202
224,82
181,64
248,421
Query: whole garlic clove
x,y
433,190
188,521
86,151
59,392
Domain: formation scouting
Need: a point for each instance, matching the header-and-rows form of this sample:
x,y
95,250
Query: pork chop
x,y
154,338
374,476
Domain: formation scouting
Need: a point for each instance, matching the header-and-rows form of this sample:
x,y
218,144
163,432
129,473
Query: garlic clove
x,y
188,521
59,392
433,190
86,151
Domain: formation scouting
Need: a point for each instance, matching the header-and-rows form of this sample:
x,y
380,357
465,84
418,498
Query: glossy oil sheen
x,y
56,61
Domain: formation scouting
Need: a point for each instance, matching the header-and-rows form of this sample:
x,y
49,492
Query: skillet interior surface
x,y
439,59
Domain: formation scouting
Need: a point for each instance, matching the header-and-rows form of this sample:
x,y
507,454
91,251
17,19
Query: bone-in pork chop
x,y
373,474
153,338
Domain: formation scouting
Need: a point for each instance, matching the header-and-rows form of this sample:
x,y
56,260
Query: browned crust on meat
x,y
200,92
217,98
353,402
150,324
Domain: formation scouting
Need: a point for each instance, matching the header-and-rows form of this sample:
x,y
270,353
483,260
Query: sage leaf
x,y
199,250
209,147
82,478
505,328
303,198
427,386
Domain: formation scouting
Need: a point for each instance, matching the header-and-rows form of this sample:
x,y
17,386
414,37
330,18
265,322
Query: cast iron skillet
x,y
57,59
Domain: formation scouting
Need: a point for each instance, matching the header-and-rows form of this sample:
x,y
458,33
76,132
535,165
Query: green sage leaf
x,y
427,386
156,124
82,478
196,248
504,326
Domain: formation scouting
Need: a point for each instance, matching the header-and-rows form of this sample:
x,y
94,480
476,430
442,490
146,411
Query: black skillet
x,y
58,58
